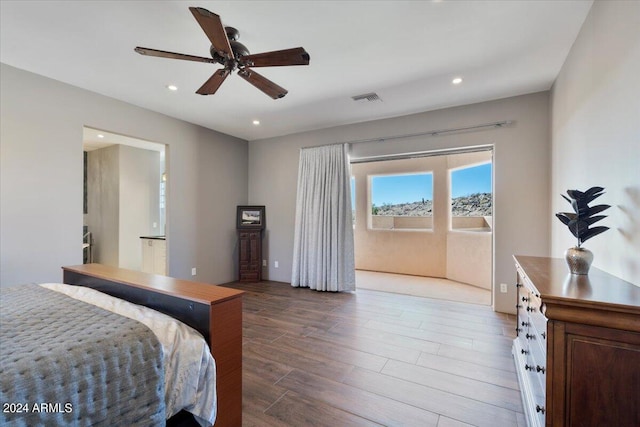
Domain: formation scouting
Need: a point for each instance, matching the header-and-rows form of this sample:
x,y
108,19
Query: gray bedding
x,y
65,362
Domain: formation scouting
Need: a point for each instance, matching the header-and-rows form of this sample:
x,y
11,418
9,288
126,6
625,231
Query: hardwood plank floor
x,y
374,359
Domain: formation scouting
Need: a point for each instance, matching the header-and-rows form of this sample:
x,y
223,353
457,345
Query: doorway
x,y
124,197
438,235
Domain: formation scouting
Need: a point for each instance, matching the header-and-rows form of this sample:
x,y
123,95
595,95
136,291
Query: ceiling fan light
x,y
172,88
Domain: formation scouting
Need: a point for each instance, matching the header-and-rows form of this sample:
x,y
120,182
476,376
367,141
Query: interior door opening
x,y
125,189
430,231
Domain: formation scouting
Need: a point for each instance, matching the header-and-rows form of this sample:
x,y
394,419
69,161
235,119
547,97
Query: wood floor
x,y
374,359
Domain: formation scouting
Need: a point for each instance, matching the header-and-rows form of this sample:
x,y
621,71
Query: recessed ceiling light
x,y
256,122
100,135
456,81
172,87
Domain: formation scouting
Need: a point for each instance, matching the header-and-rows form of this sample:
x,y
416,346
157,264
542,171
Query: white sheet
x,y
189,366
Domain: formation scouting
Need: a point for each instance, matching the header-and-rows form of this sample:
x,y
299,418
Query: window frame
x,y
370,178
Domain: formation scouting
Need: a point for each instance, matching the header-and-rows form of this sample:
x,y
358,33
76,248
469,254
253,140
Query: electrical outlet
x,y
193,271
264,262
275,264
503,288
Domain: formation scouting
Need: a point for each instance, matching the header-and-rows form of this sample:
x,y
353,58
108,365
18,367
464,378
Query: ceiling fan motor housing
x,y
232,33
239,50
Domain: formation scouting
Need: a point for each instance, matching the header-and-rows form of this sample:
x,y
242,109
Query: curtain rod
x,y
420,154
431,132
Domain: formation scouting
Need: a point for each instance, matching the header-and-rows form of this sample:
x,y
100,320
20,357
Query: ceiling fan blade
x,y
211,86
277,58
164,54
212,27
262,83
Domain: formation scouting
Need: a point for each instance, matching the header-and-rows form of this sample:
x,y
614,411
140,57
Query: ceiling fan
x,y
227,51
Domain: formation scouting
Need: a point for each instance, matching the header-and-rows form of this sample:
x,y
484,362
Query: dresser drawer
x,y
533,394
522,307
538,410
537,350
535,374
537,329
531,349
536,317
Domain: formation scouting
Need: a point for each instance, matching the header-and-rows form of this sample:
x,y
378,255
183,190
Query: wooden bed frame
x,y
215,311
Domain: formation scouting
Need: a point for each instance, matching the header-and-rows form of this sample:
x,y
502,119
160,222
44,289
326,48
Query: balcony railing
x,y
462,223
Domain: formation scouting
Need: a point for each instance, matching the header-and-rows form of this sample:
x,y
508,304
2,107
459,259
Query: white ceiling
x,y
405,51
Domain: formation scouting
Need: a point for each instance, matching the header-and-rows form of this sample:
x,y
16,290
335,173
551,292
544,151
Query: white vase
x,y
579,260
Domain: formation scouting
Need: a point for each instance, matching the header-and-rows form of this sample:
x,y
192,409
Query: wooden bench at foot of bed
x,y
215,311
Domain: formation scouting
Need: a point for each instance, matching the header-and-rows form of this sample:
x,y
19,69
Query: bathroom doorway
x,y
125,182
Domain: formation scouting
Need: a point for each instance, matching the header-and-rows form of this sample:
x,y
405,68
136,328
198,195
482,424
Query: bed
x,y
120,339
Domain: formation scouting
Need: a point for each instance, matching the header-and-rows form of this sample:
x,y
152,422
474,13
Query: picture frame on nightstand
x,y
251,218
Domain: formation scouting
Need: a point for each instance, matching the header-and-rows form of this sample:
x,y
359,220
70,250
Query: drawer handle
x,y
518,330
540,408
523,351
525,324
544,335
530,336
531,309
540,369
519,285
528,368
525,299
518,306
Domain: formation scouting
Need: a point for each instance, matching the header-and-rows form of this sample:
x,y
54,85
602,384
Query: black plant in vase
x,y
580,223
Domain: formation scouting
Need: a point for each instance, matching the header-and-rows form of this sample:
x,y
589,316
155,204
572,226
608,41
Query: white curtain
x,y
323,244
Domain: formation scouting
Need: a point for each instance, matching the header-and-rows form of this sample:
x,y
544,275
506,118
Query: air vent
x,y
367,97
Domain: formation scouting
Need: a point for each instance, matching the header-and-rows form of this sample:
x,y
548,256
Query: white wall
x,y
595,105
139,202
521,175
41,180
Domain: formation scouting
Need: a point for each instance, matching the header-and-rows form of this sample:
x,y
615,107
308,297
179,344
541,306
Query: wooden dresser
x,y
577,352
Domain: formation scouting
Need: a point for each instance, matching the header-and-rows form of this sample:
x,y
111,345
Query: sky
x,y
396,189
472,180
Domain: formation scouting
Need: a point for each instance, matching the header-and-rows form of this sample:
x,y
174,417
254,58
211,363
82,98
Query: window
x,y
402,201
471,198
